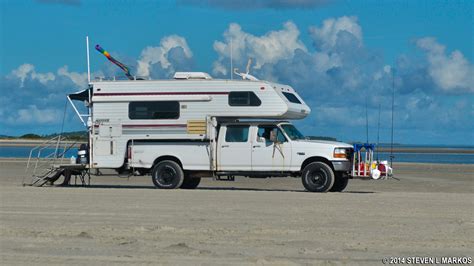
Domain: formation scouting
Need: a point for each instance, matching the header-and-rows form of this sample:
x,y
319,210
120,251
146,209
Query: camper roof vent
x,y
191,75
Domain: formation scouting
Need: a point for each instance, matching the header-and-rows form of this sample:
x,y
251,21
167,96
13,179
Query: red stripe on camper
x,y
160,93
156,125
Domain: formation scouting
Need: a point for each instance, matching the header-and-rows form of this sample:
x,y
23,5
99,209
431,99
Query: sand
x,y
429,212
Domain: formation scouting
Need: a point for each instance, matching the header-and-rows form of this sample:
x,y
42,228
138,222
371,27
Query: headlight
x,y
340,153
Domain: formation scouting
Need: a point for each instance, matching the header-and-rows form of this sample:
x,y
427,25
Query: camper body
x,y
183,129
124,111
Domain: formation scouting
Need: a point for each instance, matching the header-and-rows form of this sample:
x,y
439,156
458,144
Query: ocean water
x,y
413,157
448,158
24,152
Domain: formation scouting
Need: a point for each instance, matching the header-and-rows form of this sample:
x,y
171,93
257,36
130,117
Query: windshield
x,y
292,132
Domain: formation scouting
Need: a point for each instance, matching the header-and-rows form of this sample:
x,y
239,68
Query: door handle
x,y
256,146
224,146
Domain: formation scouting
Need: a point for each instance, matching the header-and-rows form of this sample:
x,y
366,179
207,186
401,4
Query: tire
x,y
190,182
318,177
340,183
167,175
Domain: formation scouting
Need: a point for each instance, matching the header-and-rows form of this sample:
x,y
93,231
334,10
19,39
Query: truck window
x,y
291,97
264,131
153,110
238,133
243,98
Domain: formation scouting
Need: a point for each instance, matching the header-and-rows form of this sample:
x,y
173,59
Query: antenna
x,y
393,104
231,60
246,75
248,65
88,62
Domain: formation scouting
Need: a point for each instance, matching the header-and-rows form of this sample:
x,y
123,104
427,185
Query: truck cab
x,y
268,148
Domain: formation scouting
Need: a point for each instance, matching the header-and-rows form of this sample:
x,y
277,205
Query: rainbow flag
x,y
113,60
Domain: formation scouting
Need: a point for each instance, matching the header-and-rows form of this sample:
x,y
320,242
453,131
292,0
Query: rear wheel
x,y
340,183
190,182
318,177
167,175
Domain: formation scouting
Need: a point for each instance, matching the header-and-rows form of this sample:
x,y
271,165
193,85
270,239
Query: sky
x,y
341,56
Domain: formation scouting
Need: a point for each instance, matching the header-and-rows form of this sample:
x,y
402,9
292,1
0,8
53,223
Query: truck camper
x,y
193,126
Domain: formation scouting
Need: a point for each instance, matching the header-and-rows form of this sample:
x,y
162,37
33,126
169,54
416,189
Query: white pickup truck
x,y
253,149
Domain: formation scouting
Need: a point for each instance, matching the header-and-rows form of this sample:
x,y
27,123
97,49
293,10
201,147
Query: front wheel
x,y
190,182
340,183
167,175
318,177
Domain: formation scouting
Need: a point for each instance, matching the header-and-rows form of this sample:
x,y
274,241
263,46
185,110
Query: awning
x,y
80,95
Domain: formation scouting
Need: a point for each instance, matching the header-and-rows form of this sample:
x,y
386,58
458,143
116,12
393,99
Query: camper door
x,y
107,152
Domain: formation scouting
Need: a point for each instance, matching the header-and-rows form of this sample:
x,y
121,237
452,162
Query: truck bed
x,y
194,155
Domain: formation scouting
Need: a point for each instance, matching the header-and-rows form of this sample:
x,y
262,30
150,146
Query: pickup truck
x,y
244,148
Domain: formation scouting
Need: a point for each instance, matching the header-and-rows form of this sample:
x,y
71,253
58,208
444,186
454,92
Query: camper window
x,y
237,134
243,98
291,97
153,110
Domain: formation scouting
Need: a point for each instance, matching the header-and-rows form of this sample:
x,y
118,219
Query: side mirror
x,y
273,136
260,139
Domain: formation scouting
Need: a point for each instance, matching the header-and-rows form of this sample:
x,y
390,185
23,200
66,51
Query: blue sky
x,y
337,54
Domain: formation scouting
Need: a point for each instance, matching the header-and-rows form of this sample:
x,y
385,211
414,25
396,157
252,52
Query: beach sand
x,y
428,212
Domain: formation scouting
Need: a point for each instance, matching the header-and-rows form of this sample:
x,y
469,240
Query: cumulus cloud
x,y
33,101
258,4
450,72
79,79
337,32
32,98
157,61
34,115
267,49
28,71
339,76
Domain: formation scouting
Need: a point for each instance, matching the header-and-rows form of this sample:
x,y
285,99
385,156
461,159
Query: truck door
x,y
234,150
267,155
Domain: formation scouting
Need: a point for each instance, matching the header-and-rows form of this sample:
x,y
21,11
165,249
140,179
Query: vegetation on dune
x,y
75,135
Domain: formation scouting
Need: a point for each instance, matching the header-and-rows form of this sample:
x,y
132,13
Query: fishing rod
x,y
393,104
378,136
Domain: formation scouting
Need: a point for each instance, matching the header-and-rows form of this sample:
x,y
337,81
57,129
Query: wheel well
x,y
169,158
316,159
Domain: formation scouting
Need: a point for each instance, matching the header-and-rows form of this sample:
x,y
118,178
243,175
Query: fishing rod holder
x,y
364,165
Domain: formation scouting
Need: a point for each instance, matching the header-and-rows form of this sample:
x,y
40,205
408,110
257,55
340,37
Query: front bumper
x,y
342,166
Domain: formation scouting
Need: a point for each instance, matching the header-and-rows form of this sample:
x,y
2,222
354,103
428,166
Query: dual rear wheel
x,y
169,175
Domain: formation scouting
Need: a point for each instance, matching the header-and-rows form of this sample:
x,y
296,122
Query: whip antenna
x,y
88,62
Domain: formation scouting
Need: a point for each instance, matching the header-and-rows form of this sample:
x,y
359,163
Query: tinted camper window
x,y
153,110
243,98
291,97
